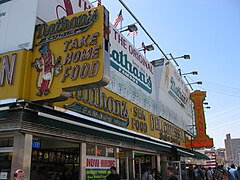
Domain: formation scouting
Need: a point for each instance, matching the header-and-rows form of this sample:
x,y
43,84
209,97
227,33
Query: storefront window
x,y
6,145
101,151
91,150
110,152
6,142
54,159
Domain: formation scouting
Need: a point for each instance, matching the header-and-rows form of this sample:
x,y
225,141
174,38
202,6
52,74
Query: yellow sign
x,y
107,106
12,74
70,54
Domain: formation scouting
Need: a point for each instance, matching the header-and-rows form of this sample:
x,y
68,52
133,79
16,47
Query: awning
x,y
185,153
190,153
86,125
198,155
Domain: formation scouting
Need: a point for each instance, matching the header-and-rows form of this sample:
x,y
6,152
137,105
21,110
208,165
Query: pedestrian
x,y
191,175
237,172
232,173
18,174
147,175
114,175
209,174
156,174
170,174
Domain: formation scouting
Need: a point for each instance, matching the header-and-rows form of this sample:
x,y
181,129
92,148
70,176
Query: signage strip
x,y
110,125
46,115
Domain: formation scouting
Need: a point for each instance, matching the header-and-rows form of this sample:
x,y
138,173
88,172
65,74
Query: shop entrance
x,y
124,168
179,169
135,167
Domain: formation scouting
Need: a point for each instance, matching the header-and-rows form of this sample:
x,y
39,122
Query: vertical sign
x,y
201,139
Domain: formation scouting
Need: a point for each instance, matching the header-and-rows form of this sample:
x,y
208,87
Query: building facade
x,y
232,147
59,120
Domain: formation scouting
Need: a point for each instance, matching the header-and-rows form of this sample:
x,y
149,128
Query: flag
x,y
143,48
135,33
118,19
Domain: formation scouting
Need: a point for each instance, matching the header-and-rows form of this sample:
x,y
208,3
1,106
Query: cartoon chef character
x,y
45,67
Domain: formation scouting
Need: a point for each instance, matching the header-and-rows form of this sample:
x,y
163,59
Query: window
x,y
110,152
101,151
91,149
6,142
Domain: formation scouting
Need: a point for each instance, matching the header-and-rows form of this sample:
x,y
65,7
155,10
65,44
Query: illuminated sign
x,y
36,144
201,139
107,106
12,74
70,53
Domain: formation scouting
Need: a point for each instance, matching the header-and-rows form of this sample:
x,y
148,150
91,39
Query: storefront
x,y
65,123
46,142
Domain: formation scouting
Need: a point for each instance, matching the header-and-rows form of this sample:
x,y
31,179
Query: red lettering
x,y
92,162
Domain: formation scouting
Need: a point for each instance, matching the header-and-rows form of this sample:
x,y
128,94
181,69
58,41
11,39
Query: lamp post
x,y
183,74
154,42
149,47
190,84
193,73
131,28
186,56
158,62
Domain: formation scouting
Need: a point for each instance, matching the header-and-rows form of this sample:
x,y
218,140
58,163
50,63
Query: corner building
x,y
59,120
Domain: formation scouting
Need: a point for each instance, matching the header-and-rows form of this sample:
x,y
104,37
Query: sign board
x,y
201,139
17,24
109,107
132,75
54,9
70,53
98,167
136,83
173,96
12,74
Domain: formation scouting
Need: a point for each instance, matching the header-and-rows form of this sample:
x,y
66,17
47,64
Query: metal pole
x,y
143,28
188,83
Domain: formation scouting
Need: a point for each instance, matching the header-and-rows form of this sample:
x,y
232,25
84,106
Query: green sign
x,y
97,173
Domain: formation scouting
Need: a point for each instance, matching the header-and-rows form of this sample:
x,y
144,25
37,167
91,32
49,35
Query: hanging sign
x,y
201,139
70,53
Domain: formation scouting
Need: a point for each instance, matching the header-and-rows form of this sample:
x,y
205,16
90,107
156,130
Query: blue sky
x,y
208,30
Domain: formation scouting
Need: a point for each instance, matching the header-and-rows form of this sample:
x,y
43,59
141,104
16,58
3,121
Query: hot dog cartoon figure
x,y
46,66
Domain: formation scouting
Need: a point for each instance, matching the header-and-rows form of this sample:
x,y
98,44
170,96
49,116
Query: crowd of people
x,y
219,173
196,173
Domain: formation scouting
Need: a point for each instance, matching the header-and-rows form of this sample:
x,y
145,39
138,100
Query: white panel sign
x,y
17,23
132,76
49,10
173,95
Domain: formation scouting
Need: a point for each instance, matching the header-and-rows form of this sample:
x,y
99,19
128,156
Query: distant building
x,y
232,147
220,156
